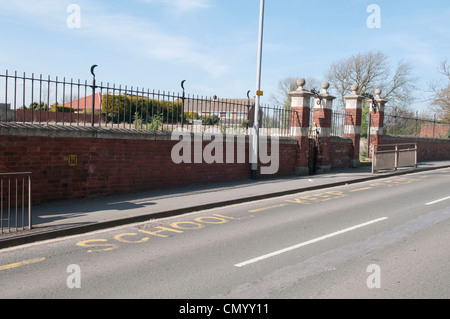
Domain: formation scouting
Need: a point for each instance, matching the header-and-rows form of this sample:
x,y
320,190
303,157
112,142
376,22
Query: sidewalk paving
x,y
77,217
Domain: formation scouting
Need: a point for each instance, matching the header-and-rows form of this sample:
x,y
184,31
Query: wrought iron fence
x,y
275,121
338,123
415,126
337,127
15,202
56,101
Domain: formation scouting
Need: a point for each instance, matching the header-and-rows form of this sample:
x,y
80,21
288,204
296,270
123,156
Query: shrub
x,y
38,106
191,116
127,108
61,109
210,120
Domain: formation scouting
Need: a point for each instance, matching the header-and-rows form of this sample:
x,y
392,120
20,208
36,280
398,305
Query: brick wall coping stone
x,y
414,138
338,139
67,131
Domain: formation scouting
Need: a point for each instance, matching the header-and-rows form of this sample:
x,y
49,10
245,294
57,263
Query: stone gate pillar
x,y
376,121
322,122
353,119
300,113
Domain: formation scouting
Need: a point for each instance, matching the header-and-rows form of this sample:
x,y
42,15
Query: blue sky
x,y
155,44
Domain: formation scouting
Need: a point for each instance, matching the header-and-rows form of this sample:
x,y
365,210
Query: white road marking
x,y
313,241
438,201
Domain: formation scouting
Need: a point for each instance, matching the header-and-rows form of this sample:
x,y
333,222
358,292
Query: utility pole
x,y
255,144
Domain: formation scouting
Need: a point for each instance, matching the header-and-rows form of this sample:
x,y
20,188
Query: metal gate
x,y
394,156
313,150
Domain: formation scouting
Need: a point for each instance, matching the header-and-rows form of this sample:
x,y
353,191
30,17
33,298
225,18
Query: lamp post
x,y
255,144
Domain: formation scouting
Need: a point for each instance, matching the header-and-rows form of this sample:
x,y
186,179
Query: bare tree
x,y
370,71
289,84
441,95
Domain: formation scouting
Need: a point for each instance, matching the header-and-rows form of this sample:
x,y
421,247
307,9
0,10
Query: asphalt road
x,y
379,239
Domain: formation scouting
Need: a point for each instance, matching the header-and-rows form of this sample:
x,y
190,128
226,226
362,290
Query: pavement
x,y
55,220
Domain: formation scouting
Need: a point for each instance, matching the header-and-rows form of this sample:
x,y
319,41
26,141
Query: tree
x,y
370,71
289,84
441,95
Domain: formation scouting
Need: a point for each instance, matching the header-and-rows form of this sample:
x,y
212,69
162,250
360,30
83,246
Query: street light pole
x,y
255,144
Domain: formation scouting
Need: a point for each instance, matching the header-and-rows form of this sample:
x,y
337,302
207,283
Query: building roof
x,y
86,102
218,105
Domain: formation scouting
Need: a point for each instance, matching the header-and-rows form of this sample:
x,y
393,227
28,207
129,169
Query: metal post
x,y
93,94
416,151
373,161
369,134
255,144
434,126
396,157
29,203
1,205
248,108
182,104
9,204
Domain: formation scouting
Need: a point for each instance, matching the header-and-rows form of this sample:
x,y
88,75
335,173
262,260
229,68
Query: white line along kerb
x,y
310,242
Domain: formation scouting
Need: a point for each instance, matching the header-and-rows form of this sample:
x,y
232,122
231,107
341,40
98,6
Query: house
x,y
233,111
85,103
5,112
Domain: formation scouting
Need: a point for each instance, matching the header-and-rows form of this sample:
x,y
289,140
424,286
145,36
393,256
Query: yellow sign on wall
x,y
73,160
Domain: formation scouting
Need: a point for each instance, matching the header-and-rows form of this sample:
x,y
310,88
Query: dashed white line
x,y
438,201
313,241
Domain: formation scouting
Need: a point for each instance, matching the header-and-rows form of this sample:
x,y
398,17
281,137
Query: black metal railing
x,y
337,126
55,101
276,121
415,126
338,120
15,202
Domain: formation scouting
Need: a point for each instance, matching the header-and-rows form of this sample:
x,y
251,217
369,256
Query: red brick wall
x,y
52,117
434,130
341,152
109,166
112,162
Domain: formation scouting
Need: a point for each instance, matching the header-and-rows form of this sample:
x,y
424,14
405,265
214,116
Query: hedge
x,y
120,108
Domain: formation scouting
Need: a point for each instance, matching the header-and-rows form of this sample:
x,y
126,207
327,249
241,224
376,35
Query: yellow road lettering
x,y
22,263
215,220
161,230
298,201
192,225
96,243
266,208
226,217
120,238
361,189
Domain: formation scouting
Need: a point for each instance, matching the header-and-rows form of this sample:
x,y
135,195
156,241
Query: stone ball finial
x,y
378,92
355,88
301,83
325,87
